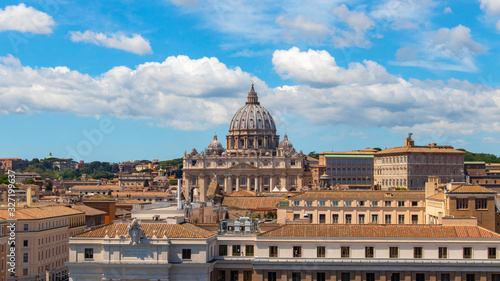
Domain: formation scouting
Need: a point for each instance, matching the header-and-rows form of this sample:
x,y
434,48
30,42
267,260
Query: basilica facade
x,y
254,158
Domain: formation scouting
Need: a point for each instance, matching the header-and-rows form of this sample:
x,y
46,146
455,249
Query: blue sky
x,y
123,80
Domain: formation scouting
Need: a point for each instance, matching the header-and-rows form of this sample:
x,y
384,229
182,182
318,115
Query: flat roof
x,y
347,156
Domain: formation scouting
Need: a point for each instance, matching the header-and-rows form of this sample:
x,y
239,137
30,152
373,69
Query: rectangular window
x,y
335,218
345,276
388,219
296,203
233,275
347,203
395,277
348,219
249,250
361,203
495,277
271,276
236,250
387,203
309,203
414,219
417,252
481,204
25,243
393,252
414,203
374,218
401,203
25,227
361,219
322,218
344,252
492,253
322,203
374,203
401,219
335,203
25,271
297,251
89,253
320,276
247,275
467,253
443,252
296,276
223,250
25,257
420,277
446,277
320,251
462,203
370,276
296,216
470,277
369,252
273,251
186,254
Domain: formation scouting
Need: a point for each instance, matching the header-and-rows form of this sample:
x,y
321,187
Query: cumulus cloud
x,y
135,44
302,28
180,92
25,19
490,140
358,24
402,14
447,10
444,49
319,69
490,6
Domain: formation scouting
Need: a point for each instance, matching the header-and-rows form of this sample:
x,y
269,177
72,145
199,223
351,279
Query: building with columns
x,y
254,158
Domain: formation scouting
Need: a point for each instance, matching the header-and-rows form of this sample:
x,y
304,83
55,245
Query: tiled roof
x,y
242,193
98,198
361,194
130,202
185,230
89,211
420,149
471,189
120,212
439,196
253,203
380,231
34,213
143,194
96,187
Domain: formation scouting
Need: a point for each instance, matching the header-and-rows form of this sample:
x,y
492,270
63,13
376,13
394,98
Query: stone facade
x,y
254,158
410,166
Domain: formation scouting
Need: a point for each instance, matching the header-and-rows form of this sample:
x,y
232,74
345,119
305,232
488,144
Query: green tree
x,y
30,181
313,154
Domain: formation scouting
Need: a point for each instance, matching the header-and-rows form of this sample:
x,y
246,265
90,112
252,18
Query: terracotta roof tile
x,y
35,213
253,203
89,211
242,193
420,149
380,231
471,189
186,230
439,196
361,194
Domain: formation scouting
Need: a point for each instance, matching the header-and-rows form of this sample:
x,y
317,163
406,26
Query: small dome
x,y
215,144
285,143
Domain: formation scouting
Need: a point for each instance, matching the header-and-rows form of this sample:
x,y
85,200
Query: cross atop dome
x,y
252,97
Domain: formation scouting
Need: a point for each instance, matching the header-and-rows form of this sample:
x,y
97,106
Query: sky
x,y
125,80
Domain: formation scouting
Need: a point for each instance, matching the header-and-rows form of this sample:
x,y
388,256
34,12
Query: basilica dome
x,y
252,116
285,143
215,147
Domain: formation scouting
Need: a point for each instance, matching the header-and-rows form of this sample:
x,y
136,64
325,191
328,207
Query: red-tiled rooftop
x,y
34,213
380,231
471,189
361,194
185,230
252,203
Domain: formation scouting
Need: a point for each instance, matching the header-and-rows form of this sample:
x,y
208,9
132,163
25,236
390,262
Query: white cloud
x,y
490,6
444,49
401,14
490,140
358,24
135,44
319,69
302,28
25,19
498,24
447,10
184,2
179,92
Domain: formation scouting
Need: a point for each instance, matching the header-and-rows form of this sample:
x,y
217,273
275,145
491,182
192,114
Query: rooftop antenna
x,y
409,135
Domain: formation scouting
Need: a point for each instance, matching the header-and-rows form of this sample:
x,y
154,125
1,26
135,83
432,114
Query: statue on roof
x,y
135,232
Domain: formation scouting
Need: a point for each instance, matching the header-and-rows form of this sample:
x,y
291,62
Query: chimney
x,y
179,207
28,197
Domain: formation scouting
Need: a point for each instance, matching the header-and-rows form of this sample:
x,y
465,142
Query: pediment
x,y
243,166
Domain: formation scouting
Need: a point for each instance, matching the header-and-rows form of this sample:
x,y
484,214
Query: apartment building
x,y
42,236
354,207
